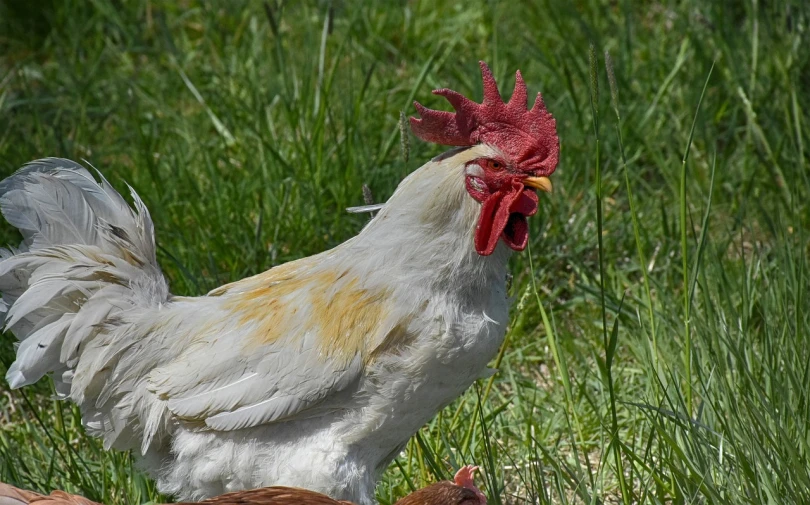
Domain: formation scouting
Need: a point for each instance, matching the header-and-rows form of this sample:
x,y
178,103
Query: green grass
x,y
658,348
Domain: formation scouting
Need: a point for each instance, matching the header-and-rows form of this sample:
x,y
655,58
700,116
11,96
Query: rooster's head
x,y
523,152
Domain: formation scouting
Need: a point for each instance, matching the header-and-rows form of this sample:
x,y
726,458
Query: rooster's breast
x,y
450,345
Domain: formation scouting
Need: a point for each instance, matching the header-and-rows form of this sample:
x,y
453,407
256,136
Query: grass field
x,y
659,346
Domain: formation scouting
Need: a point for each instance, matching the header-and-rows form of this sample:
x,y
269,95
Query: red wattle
x,y
503,215
486,233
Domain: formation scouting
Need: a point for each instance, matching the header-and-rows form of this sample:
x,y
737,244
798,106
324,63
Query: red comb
x,y
528,137
465,476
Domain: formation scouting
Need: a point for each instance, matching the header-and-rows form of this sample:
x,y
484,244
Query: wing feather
x,y
272,409
230,383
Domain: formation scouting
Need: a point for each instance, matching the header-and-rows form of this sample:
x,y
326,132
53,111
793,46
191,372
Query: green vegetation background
x,y
658,347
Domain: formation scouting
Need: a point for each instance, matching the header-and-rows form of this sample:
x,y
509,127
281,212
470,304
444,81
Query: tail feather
x,y
36,355
87,261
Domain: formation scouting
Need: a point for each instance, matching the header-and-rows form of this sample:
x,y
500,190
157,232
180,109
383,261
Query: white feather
x,y
39,353
360,209
274,408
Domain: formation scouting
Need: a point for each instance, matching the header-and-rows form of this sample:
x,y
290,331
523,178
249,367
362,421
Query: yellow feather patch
x,y
298,297
345,319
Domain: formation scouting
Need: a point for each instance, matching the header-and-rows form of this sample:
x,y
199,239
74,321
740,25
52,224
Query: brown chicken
x,y
461,491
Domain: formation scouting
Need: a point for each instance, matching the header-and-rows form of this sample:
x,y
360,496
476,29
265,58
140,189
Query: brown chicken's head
x,y
504,184
461,491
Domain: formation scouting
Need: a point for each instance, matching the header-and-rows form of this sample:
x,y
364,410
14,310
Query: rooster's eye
x,y
494,165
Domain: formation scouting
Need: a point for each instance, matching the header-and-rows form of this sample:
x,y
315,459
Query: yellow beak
x,y
541,183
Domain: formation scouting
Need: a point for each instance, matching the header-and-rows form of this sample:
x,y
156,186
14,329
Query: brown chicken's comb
x,y
528,137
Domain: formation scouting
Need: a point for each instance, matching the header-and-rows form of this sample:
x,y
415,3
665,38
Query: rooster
x,y
313,374
461,491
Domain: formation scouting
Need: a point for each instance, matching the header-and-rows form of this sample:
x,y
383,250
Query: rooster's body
x,y
313,374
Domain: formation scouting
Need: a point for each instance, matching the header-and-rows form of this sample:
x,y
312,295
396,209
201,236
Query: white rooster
x,y
313,374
